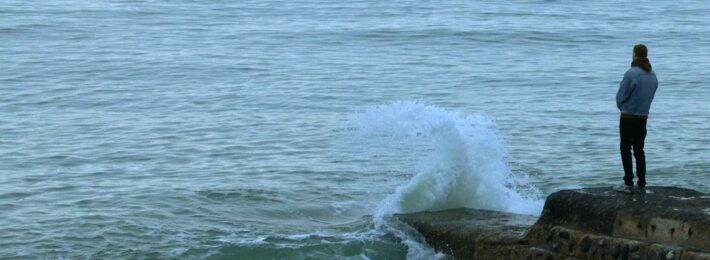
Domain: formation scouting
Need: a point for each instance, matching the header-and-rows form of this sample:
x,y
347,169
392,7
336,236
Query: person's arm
x,y
625,87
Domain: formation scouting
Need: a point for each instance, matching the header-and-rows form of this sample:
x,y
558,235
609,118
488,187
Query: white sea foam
x,y
465,167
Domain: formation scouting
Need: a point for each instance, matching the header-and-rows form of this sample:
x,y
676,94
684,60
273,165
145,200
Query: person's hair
x,y
640,51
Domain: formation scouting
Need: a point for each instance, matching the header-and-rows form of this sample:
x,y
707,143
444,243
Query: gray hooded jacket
x,y
636,91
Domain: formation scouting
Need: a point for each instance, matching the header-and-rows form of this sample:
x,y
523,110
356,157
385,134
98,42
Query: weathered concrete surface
x,y
471,233
572,244
661,214
593,223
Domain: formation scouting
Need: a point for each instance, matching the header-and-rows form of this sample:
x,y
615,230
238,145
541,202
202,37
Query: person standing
x,y
636,92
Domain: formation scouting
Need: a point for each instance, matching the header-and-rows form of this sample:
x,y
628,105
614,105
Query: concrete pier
x,y
590,223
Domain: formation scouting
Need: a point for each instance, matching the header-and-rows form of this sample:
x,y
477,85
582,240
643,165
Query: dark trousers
x,y
633,135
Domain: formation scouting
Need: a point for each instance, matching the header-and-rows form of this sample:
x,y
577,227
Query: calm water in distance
x,y
293,129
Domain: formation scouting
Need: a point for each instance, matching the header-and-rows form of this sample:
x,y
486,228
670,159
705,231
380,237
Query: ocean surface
x,y
295,129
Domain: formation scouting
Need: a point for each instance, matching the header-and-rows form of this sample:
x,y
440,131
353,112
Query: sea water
x,y
295,129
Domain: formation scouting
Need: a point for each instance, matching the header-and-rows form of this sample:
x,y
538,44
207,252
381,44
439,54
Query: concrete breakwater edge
x,y
588,223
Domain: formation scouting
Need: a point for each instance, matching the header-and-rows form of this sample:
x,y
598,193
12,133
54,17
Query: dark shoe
x,y
629,182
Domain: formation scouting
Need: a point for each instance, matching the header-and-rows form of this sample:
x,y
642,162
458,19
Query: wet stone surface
x,y
590,223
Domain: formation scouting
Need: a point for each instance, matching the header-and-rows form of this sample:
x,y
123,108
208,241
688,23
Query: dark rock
x,y
564,235
653,255
615,253
585,244
550,237
633,248
625,252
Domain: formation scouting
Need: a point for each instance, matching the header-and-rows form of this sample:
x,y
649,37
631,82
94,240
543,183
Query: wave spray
x,y
462,162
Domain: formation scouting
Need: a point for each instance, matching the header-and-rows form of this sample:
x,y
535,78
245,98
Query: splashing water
x,y
465,166
462,165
